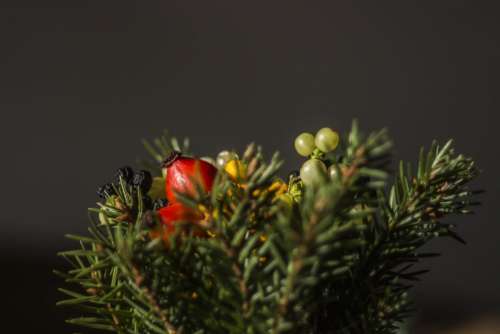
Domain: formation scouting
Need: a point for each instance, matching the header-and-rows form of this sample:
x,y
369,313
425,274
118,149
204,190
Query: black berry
x,y
126,173
143,180
105,190
147,202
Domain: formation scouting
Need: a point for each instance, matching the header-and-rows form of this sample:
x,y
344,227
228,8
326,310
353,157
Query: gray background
x,y
81,82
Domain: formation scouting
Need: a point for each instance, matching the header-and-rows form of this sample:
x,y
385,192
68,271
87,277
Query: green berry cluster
x,y
314,170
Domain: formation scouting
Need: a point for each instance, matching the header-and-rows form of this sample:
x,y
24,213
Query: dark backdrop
x,y
81,82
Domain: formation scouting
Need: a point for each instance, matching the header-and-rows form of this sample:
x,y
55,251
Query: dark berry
x,y
143,180
126,173
147,202
105,190
160,203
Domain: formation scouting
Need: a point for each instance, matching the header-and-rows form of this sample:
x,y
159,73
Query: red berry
x,y
175,212
183,175
178,212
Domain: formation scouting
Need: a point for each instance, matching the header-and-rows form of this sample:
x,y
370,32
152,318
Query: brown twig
x,y
139,279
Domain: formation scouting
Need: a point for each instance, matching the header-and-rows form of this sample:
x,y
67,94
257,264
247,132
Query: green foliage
x,y
340,260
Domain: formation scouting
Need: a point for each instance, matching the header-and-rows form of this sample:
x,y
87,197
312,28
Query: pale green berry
x,y
223,157
333,172
313,172
326,140
304,144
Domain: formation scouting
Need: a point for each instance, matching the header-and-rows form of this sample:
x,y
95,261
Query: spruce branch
x,y
337,257
411,216
326,241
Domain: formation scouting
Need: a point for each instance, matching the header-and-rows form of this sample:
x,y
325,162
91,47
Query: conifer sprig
x,y
337,257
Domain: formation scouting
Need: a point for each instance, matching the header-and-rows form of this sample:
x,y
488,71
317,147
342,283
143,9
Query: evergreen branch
x,y
155,306
327,207
338,257
411,218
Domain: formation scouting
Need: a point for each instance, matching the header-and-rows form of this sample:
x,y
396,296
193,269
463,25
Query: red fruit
x,y
183,174
178,212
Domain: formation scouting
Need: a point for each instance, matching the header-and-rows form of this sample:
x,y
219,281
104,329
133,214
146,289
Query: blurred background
x,y
81,82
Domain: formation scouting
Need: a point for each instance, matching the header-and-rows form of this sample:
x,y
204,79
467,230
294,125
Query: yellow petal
x,y
236,169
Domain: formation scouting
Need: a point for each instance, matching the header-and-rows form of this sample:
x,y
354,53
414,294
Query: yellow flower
x,y
279,187
236,169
